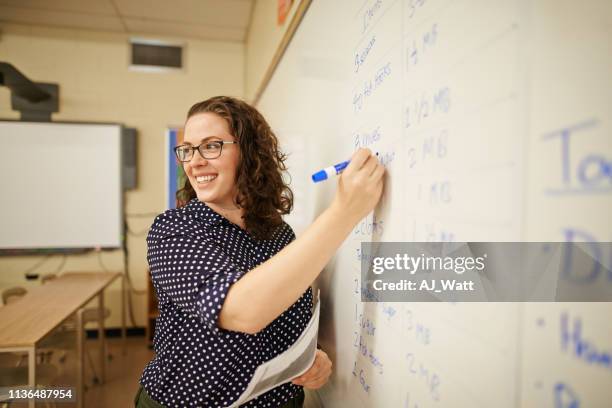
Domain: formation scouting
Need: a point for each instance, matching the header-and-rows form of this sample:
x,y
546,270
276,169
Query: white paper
x,y
286,366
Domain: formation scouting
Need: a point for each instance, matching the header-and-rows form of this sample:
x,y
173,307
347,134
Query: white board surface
x,y
494,120
61,185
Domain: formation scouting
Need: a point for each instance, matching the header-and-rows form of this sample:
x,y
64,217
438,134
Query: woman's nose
x,y
198,160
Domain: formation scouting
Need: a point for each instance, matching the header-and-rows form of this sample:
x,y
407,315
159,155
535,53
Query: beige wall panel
x,y
97,86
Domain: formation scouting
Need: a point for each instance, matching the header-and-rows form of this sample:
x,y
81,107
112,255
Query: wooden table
x,y
25,322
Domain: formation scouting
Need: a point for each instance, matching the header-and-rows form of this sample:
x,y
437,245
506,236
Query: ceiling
x,y
225,20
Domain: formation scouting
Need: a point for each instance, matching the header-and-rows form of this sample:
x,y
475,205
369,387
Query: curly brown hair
x,y
262,192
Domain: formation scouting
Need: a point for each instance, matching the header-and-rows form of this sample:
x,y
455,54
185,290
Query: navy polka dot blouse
x,y
195,255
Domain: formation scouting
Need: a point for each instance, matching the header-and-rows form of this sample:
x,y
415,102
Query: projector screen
x,y
61,185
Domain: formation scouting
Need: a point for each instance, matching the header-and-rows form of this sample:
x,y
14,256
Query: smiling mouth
x,y
205,179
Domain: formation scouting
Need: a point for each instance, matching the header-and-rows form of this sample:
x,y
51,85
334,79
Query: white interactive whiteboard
x,y
494,120
61,185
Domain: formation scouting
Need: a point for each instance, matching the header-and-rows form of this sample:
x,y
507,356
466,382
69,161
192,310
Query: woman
x,y
232,281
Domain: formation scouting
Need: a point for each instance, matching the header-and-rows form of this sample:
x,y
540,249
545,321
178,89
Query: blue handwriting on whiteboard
x,y
369,227
361,56
368,138
382,74
435,146
413,5
430,379
368,88
385,158
367,324
596,257
589,173
434,234
369,15
420,46
365,351
368,296
422,333
440,192
427,106
565,396
388,311
574,344
367,258
362,380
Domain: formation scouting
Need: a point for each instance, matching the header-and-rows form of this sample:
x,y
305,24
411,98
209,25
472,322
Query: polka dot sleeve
x,y
193,272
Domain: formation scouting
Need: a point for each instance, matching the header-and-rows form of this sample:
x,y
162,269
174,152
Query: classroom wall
x,y
96,85
262,41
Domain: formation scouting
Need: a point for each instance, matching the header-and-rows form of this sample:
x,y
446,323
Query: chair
x,y
10,295
15,376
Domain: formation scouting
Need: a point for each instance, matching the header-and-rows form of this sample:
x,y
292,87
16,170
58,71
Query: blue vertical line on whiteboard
x,y
172,173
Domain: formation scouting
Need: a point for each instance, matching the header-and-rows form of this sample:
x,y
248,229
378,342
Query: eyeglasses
x,y
208,150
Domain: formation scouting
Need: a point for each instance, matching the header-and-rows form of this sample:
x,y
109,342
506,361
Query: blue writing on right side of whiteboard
x,y
574,344
565,397
590,172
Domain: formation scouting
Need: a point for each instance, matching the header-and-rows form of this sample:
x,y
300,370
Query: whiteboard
x,y
493,119
61,185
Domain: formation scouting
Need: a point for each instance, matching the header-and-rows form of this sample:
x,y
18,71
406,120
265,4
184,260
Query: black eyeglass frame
x,y
194,148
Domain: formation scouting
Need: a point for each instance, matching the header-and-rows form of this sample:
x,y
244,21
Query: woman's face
x,y
221,190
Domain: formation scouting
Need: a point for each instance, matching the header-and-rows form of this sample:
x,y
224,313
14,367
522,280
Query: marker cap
x,y
319,176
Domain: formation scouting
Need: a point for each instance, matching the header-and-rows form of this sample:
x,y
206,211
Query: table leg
x,y
32,373
80,391
123,329
102,337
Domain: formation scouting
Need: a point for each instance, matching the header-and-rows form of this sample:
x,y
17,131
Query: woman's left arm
x,y
318,374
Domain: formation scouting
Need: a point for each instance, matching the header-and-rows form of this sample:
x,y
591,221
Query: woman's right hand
x,y
360,185
269,289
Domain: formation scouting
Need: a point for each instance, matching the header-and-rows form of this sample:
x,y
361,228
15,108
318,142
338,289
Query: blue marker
x,y
329,171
